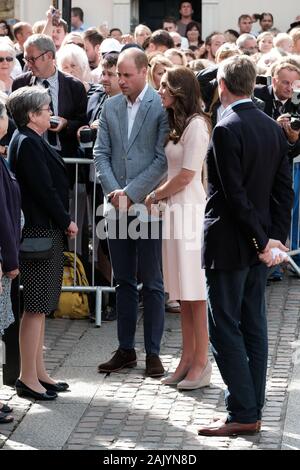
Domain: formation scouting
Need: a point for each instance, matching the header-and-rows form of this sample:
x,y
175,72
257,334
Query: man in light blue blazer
x,y
130,162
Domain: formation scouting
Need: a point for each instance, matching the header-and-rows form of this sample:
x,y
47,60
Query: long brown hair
x,y
183,85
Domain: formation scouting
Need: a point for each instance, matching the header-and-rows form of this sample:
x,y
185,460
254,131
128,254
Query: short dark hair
x,y
185,1
266,14
233,32
93,35
243,17
170,19
161,38
110,60
208,39
191,25
76,11
115,29
63,24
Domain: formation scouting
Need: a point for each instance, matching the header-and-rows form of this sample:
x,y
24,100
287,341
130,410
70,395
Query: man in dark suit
x,y
250,199
68,95
278,103
279,106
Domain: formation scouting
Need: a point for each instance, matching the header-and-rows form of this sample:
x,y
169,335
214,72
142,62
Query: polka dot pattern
x,y
42,279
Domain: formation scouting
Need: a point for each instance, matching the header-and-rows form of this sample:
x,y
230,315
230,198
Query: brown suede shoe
x,y
224,419
122,358
154,367
219,428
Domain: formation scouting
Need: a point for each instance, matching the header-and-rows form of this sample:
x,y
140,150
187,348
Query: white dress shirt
x,y
132,109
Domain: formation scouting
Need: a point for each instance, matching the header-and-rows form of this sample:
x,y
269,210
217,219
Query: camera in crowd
x,y
86,137
54,122
295,116
263,80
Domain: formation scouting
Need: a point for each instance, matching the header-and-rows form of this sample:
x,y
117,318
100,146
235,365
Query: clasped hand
x,y
268,257
119,199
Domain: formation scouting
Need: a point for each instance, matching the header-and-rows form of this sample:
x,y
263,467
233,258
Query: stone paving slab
x,y
126,410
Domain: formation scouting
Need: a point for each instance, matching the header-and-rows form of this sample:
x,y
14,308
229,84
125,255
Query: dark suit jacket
x,y
72,103
43,180
265,93
10,215
249,189
95,104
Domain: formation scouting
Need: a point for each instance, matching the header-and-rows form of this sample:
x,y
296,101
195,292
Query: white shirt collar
x,y
232,105
277,99
140,98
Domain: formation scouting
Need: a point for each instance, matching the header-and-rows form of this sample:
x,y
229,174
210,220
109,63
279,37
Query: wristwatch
x,y
152,196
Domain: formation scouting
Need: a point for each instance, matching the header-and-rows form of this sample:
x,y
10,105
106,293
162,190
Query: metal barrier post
x,y
98,307
98,290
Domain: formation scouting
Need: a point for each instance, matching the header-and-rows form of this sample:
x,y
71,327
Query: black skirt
x,y
42,279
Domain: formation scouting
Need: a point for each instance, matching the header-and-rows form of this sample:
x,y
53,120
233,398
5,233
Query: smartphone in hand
x,y
55,16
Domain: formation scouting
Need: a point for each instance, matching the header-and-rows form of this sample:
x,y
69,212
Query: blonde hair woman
x,y
295,35
265,42
228,49
157,67
176,56
284,43
141,33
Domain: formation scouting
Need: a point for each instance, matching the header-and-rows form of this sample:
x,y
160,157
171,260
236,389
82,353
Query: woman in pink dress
x,y
185,200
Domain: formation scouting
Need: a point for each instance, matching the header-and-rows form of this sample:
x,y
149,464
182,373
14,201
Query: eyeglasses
x,y
7,59
46,109
32,60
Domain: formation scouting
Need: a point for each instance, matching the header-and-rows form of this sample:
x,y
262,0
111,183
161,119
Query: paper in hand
x,y
278,252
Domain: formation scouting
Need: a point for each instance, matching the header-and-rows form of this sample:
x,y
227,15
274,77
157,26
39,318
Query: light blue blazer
x,y
139,164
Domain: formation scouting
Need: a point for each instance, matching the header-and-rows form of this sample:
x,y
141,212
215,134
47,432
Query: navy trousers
x,y
239,339
131,258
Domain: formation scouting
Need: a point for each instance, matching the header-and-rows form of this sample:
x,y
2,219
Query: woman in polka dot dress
x,y
43,181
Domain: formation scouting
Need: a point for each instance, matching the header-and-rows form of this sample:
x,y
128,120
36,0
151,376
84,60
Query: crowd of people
x,y
193,143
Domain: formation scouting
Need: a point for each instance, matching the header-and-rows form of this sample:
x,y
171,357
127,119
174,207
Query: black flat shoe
x,y
6,409
57,387
5,419
24,391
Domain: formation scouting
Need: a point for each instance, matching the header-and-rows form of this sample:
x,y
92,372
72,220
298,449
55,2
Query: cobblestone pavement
x,y
128,411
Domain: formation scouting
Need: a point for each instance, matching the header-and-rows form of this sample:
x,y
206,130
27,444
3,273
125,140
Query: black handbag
x,y
36,249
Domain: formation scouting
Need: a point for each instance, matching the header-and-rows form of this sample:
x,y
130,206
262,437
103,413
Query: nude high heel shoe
x,y
203,381
169,380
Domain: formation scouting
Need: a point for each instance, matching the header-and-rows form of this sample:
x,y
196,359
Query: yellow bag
x,y
73,304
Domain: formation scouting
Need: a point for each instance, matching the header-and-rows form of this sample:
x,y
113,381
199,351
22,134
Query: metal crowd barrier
x,y
292,262
98,290
295,224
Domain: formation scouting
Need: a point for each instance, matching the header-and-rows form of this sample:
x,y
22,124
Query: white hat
x,y
110,45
